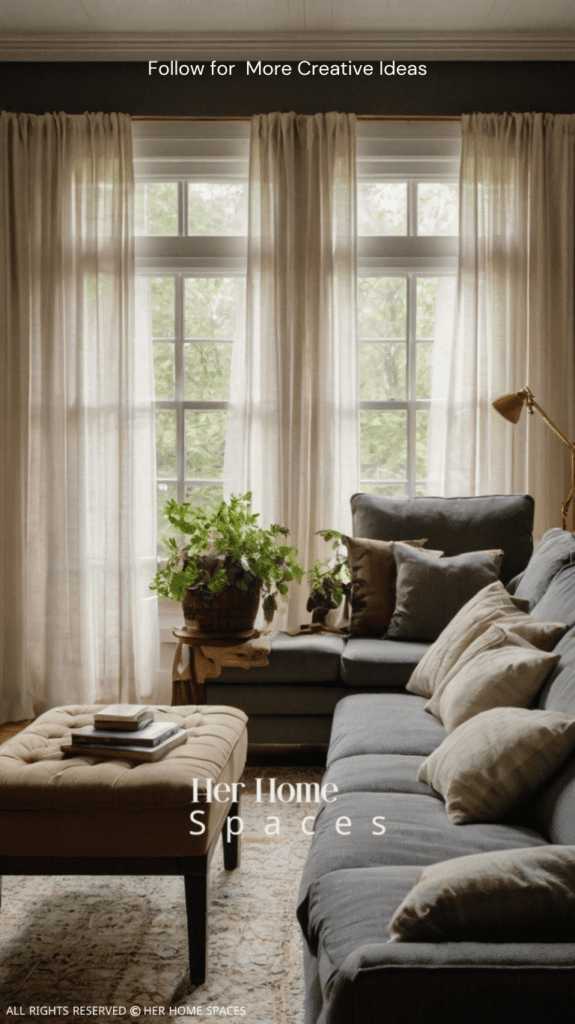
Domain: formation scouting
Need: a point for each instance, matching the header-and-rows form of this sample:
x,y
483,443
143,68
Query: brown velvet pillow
x,y
373,570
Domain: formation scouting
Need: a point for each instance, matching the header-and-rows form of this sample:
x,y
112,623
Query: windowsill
x,y
170,617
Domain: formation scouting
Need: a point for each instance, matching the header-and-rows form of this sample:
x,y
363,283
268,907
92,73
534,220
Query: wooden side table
x,y
185,686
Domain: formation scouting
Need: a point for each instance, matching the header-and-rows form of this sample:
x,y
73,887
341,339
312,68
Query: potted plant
x,y
331,581
225,566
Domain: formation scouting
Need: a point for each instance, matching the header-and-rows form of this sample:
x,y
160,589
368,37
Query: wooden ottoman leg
x,y
231,845
197,914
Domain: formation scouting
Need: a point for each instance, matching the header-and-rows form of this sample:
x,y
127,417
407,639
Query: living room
x,y
407,87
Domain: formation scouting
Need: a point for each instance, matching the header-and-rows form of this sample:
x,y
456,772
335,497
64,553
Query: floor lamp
x,y
510,406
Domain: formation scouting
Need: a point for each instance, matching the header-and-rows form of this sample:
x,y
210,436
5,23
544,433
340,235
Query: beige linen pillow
x,y
522,895
373,571
492,604
496,760
500,669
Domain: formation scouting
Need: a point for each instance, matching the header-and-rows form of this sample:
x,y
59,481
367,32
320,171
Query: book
x,y
131,752
149,735
123,716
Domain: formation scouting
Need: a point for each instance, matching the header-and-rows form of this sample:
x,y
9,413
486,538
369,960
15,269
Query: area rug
x,y
116,947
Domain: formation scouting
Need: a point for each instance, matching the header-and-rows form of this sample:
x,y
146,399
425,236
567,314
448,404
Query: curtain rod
x,y
360,117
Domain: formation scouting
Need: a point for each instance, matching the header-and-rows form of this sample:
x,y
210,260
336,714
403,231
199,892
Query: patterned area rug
x,y
84,946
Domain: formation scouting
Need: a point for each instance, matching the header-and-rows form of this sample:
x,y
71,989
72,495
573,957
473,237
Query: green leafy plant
x,y
226,548
330,581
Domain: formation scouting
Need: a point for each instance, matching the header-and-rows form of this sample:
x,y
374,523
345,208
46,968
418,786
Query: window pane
x,y
382,303
166,442
384,490
382,208
164,369
207,370
421,428
217,208
437,208
383,444
426,300
207,497
423,357
435,305
382,370
165,529
213,306
205,443
162,291
156,208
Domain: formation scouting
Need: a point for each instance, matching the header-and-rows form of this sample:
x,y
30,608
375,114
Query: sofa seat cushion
x,y
377,773
453,525
417,831
389,723
306,659
353,907
380,663
555,550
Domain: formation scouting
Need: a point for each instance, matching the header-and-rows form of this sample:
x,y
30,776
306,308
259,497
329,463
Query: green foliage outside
x,y
226,548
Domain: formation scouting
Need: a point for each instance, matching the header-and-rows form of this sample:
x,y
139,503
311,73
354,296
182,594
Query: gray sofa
x,y
292,699
352,885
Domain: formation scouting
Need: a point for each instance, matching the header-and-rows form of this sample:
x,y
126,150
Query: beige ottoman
x,y
80,815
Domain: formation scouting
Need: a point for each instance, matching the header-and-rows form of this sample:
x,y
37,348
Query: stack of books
x,y
125,731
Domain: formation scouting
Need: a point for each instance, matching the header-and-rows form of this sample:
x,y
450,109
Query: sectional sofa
x,y
490,937
292,699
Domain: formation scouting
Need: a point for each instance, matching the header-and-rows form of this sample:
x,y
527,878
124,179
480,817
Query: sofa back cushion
x,y
555,805
558,597
453,525
556,549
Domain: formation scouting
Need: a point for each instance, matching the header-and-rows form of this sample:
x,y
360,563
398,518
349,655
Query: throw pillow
x,y
492,604
500,669
507,895
373,571
496,760
430,591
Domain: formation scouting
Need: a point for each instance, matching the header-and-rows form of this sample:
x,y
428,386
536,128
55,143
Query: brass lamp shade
x,y
510,406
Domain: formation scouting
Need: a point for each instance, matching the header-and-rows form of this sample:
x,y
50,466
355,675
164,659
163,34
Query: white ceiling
x,y
125,29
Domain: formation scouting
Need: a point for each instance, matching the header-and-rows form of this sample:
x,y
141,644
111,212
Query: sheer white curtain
x,y
514,323
77,505
293,419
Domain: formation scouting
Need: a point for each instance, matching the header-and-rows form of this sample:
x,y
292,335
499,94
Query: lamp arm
x,y
532,404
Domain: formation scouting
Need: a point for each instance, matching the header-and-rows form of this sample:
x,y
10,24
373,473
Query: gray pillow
x,y
430,591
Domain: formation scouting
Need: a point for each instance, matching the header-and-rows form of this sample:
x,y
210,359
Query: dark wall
x,y
448,88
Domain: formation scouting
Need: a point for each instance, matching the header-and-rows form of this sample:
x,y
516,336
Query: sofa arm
x,y
447,982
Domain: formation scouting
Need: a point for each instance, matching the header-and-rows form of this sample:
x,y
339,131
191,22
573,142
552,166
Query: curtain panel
x,y
514,322
77,519
293,416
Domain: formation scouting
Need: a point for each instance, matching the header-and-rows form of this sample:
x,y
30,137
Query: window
x,y
191,225
407,253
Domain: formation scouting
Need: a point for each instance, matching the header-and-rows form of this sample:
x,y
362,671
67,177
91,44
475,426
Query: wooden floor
x,y
11,729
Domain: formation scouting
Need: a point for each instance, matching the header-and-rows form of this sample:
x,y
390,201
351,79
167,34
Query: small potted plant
x,y
330,582
225,566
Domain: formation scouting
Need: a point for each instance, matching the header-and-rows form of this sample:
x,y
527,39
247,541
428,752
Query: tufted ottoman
x,y
83,816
